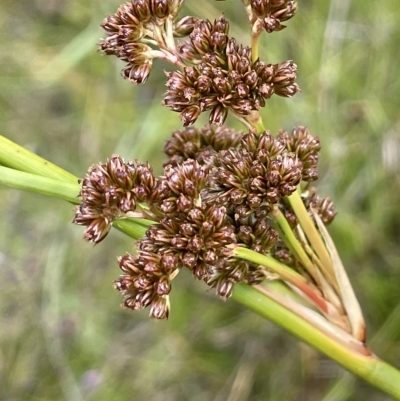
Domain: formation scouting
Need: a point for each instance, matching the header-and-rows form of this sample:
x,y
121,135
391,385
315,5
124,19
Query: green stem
x,y
272,264
259,125
134,227
19,158
313,235
293,244
131,228
371,369
284,272
143,222
43,185
254,45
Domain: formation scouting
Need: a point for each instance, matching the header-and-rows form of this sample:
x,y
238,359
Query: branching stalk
x,y
312,234
367,366
285,273
293,243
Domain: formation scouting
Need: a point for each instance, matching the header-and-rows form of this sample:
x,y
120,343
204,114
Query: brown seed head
x,y
224,77
306,147
271,13
109,191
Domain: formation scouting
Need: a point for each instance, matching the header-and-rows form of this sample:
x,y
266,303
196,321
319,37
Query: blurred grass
x,y
63,335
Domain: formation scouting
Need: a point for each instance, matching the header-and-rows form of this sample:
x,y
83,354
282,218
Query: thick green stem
x,y
19,158
43,185
371,369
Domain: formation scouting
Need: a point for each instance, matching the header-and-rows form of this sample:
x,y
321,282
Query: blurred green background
x,y
63,335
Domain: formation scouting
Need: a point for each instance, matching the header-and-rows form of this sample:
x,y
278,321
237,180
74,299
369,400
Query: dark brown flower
x,y
306,147
109,191
147,281
224,77
134,24
257,174
271,13
199,144
185,183
185,26
137,73
257,234
228,272
281,252
323,206
206,38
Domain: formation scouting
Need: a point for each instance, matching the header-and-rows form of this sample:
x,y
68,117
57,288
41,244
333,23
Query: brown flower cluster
x,y
147,280
306,147
195,235
111,190
250,178
224,77
219,189
216,74
199,144
257,174
323,206
132,27
217,192
269,14
191,234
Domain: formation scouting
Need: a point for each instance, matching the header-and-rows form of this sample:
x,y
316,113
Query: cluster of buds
x,y
215,74
224,77
199,144
269,14
257,174
217,193
221,190
111,191
131,29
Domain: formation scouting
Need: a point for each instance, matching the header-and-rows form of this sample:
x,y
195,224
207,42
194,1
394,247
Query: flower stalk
x,y
312,234
228,207
19,158
267,299
368,367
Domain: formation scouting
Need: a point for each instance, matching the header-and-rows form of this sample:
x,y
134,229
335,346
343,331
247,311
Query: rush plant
x,y
235,209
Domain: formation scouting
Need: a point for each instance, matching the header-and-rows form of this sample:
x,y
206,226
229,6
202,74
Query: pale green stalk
x,y
131,228
254,45
19,158
272,264
30,172
312,234
370,368
293,244
285,273
44,185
